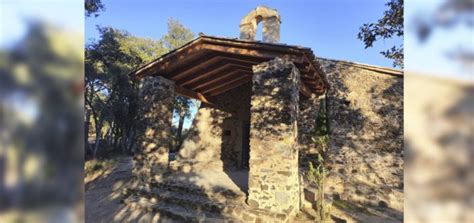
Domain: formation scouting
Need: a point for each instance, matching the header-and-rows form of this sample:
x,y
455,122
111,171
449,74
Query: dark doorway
x,y
245,145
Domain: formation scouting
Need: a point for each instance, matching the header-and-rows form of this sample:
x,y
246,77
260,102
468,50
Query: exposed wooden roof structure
x,y
208,66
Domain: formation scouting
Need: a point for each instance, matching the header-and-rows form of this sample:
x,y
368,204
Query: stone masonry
x,y
273,177
365,154
309,109
208,146
154,128
265,129
202,148
271,24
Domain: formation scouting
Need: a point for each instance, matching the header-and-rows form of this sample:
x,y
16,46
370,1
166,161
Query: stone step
x,y
192,201
219,194
176,212
180,195
196,203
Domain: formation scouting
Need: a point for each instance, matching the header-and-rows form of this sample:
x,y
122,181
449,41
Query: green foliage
x,y
177,35
389,26
111,94
321,132
93,166
317,176
93,7
97,166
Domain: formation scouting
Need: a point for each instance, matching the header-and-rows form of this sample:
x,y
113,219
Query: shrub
x,y
317,176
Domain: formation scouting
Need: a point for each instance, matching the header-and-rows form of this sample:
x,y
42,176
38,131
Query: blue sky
x,y
329,27
15,15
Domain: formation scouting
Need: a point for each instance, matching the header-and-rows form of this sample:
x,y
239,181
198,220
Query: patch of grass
x,y
94,166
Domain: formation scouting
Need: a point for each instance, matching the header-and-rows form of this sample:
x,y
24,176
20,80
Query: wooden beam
x,y
238,57
205,59
169,58
219,77
249,52
305,90
276,48
199,70
231,85
229,79
221,67
191,94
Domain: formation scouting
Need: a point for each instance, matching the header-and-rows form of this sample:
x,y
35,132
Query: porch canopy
x,y
208,66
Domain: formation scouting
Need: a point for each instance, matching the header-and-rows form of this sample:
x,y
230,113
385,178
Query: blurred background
x,y
41,110
42,103
439,111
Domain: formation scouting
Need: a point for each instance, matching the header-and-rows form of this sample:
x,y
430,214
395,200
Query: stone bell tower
x,y
271,24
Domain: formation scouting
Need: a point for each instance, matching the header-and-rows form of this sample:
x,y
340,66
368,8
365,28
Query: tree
x,y
182,110
93,7
177,36
111,94
389,26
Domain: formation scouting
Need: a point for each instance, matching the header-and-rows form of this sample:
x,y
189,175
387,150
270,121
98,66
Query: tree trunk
x,y
124,141
131,141
86,130
179,132
98,128
2,176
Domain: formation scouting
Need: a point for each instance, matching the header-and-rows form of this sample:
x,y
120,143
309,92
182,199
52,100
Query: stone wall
x,y
201,150
309,109
273,176
153,128
215,138
236,102
365,154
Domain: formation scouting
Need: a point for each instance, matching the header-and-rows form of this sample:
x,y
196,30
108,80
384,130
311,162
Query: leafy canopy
x,y
93,7
389,26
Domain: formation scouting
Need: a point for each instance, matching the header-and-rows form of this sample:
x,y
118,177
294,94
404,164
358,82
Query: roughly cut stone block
x,y
310,194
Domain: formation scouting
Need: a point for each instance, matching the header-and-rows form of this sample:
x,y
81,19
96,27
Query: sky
x,y
431,57
329,27
16,14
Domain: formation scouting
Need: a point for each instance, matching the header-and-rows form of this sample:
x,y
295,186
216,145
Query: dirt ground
x,y
103,195
103,192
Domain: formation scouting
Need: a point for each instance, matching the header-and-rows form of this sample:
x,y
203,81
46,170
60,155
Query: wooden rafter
x,y
237,75
230,86
220,77
227,67
191,94
202,69
208,66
